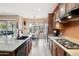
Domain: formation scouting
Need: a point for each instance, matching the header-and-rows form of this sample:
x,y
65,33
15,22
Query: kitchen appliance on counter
x,y
56,32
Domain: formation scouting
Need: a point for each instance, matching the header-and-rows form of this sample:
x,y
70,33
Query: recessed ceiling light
x,y
69,17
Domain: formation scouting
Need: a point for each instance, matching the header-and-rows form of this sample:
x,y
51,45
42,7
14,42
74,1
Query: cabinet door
x,y
76,5
54,21
50,22
62,9
70,6
57,51
60,51
54,49
27,47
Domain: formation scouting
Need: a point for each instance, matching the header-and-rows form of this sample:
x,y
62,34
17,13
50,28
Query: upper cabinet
x,y
62,9
50,23
70,6
64,13
68,12
76,5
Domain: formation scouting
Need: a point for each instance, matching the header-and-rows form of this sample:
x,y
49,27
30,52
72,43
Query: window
x,y
8,29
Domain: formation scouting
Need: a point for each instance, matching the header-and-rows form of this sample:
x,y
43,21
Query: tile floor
x,y
40,48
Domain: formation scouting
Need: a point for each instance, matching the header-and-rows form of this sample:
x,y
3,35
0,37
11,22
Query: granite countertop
x,y
11,45
72,52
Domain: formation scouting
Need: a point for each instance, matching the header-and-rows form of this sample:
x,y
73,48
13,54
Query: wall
x,y
71,29
34,21
9,17
17,18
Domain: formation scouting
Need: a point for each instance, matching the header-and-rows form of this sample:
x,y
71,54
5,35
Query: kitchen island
x,y
15,47
60,50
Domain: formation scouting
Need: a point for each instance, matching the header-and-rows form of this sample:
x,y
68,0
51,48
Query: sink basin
x,y
22,38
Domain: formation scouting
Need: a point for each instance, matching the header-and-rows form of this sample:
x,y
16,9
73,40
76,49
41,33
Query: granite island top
x,y
11,45
72,52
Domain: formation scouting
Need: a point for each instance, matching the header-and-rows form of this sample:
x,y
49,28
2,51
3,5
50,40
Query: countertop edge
x,y
69,51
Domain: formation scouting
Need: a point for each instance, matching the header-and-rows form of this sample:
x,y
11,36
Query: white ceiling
x,y
28,10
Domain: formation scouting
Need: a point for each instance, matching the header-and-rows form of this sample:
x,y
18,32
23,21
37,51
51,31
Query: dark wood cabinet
x,y
60,51
24,49
21,50
28,46
50,23
56,50
62,9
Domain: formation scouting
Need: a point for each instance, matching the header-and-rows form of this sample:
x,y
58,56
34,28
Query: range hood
x,y
75,12
70,15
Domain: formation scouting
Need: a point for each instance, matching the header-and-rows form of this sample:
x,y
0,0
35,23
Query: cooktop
x,y
67,44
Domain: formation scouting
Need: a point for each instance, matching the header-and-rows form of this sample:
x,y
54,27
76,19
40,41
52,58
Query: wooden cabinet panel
x,y
50,23
27,49
50,19
28,46
77,5
57,51
62,9
60,51
71,6
54,49
57,14
54,21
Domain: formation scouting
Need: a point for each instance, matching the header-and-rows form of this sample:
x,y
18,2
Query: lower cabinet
x,y
57,50
28,47
24,49
60,51
54,52
21,50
